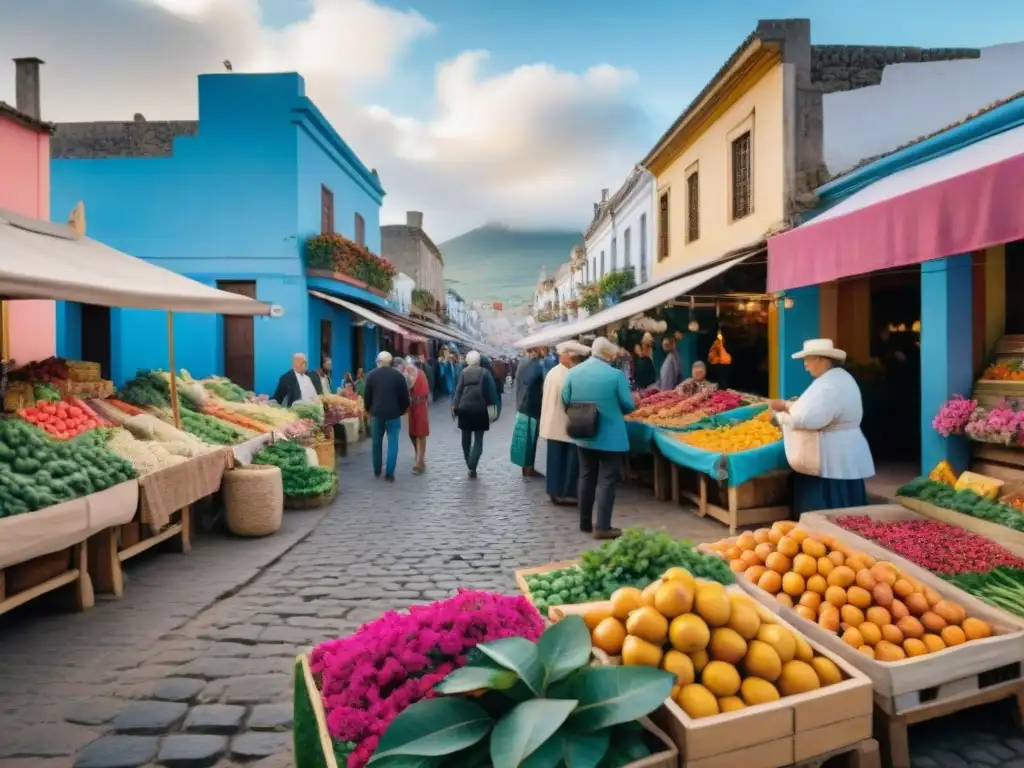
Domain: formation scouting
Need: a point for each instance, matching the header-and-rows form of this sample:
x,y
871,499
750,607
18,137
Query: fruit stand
x,y
929,648
742,451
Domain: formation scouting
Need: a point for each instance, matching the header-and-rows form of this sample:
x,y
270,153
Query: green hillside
x,y
499,263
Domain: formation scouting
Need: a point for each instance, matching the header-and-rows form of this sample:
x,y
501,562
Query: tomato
x,y
75,410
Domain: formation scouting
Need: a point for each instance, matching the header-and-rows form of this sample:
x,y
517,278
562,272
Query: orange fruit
x,y
953,635
753,573
805,565
859,597
842,576
770,581
788,547
762,551
609,636
793,584
778,562
817,584
836,596
813,548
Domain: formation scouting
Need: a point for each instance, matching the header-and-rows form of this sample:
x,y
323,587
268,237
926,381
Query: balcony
x,y
333,257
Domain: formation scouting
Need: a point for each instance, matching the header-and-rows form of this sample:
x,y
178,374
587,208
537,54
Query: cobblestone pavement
x,y
193,666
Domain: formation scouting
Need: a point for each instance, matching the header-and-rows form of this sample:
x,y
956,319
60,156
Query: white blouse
x,y
832,404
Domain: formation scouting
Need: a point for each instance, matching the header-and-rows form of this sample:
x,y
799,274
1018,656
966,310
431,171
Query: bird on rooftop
x,y
227,66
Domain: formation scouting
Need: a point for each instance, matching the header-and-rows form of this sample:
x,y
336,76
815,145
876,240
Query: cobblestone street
x,y
193,667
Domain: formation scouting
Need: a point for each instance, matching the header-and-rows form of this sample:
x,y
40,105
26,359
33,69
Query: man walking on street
x,y
386,399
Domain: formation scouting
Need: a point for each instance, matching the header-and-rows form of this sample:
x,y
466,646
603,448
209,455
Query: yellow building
x,y
730,169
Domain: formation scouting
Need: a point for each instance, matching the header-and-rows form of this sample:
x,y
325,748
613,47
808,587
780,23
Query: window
x,y
626,261
692,207
663,226
742,185
587,272
601,272
360,230
643,248
326,210
615,257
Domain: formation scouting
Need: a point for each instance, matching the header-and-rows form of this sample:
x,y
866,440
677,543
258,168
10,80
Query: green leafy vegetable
x,y
300,480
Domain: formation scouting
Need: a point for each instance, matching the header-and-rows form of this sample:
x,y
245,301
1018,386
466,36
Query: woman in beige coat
x,y
563,459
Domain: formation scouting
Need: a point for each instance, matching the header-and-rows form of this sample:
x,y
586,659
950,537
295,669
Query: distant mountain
x,y
497,262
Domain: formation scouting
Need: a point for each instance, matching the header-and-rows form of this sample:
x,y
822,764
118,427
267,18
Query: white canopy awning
x,y
557,332
368,314
42,260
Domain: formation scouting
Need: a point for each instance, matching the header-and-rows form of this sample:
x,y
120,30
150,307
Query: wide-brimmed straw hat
x,y
820,348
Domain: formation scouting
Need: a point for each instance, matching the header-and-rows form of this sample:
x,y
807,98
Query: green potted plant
x,y
519,704
614,284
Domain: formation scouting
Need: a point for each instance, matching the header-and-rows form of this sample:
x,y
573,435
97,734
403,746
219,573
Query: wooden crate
x,y
1006,537
925,687
1001,462
797,729
522,573
65,569
763,499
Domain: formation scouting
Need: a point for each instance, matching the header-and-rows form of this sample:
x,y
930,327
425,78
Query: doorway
x,y
239,338
357,346
95,341
326,339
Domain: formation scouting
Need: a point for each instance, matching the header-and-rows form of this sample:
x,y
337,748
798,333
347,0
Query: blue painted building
x,y
227,200
948,206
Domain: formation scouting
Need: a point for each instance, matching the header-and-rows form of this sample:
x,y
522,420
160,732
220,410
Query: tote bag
x,y
803,450
521,439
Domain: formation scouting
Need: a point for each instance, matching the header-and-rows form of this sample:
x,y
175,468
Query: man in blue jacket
x,y
386,399
596,381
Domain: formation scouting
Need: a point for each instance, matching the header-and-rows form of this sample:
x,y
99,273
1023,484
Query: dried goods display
x,y
744,436
672,409
874,607
725,651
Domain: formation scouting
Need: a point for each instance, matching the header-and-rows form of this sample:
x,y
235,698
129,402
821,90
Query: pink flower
x,y
369,677
954,415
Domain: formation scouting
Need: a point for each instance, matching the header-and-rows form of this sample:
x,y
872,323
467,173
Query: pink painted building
x,y
25,159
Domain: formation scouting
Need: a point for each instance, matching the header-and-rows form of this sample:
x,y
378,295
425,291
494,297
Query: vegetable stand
x,y
754,482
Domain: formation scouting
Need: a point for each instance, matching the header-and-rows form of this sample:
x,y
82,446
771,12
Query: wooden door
x,y
95,330
326,341
239,338
357,348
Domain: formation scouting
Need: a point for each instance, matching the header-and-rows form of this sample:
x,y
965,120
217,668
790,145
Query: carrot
x,y
225,414
131,410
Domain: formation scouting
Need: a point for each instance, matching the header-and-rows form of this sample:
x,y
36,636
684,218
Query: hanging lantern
x,y
916,327
788,303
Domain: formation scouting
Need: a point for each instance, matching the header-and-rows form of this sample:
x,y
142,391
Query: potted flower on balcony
x,y
614,284
423,300
345,259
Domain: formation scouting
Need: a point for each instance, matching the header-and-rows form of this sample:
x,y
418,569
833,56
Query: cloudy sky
x,y
517,111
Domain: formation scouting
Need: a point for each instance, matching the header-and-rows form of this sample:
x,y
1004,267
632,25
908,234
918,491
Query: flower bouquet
x,y
349,690
953,416
1000,424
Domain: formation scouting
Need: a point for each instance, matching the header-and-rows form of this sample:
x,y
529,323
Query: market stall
x,y
846,581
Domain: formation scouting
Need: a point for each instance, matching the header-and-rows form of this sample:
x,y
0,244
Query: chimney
x,y
604,195
414,219
26,86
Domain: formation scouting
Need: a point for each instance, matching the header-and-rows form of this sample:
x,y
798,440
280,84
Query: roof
x,y
606,208
27,120
43,260
962,121
415,232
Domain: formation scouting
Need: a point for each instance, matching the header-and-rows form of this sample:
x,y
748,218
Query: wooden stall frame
x,y
43,581
107,553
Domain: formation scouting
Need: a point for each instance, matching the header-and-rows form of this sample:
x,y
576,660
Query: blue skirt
x,y
812,494
563,473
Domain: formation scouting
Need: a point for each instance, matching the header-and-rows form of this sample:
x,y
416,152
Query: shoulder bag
x,y
582,418
803,447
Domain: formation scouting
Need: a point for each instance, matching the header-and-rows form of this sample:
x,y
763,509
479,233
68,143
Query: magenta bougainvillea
x,y
369,677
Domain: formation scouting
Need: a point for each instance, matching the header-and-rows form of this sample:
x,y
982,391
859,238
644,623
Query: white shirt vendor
x,y
306,388
832,405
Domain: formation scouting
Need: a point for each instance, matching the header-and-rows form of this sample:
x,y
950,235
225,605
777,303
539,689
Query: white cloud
x,y
531,145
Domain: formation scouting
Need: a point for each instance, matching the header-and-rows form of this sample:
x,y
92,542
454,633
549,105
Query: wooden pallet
x,y
110,548
66,569
863,754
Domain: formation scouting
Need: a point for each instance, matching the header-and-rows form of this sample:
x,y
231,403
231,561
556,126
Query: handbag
x,y
582,418
803,447
492,412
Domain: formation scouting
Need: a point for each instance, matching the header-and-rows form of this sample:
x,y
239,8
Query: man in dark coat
x,y
386,399
296,385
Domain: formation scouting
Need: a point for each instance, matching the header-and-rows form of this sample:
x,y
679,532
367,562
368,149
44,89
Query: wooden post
x,y
186,512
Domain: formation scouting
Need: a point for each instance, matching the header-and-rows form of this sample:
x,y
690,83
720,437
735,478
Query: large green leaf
x,y
434,727
564,648
612,695
585,750
519,655
521,732
547,755
628,745
476,678
409,761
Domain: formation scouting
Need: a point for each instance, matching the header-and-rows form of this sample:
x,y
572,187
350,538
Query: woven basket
x,y
254,500
79,370
92,390
325,453
314,502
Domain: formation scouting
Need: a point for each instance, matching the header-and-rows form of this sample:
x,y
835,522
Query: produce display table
x,y
755,482
163,513
925,687
46,550
1005,537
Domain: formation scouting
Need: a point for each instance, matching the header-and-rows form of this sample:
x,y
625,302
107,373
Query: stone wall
x,y
139,138
848,67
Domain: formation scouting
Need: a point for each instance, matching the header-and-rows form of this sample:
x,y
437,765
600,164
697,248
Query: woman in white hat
x,y
563,471
824,444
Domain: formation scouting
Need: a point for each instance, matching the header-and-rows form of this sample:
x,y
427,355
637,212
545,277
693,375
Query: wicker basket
x,y
314,502
92,390
325,453
80,370
254,500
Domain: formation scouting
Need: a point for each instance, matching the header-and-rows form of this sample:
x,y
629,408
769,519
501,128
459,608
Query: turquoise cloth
x,y
640,436
595,381
736,468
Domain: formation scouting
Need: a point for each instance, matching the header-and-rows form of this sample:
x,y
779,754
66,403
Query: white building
x,y
401,293
621,236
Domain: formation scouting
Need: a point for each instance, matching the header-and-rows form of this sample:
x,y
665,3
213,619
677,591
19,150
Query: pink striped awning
x,y
967,200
